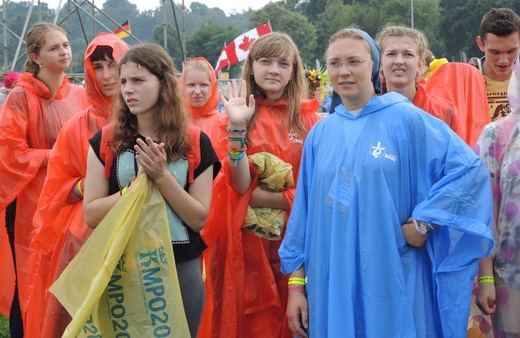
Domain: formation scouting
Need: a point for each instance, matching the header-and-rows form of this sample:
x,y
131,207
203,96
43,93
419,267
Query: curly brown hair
x,y
173,119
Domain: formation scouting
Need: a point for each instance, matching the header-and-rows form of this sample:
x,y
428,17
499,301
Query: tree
x,y
296,25
460,23
207,41
337,16
173,46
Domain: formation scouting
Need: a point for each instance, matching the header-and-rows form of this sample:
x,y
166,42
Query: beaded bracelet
x,y
296,281
296,288
486,279
238,131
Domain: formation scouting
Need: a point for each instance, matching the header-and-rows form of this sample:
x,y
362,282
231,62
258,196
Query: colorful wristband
x,y
80,187
241,139
296,281
486,279
235,156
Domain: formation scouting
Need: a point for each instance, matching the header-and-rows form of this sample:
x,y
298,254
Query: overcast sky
x,y
228,6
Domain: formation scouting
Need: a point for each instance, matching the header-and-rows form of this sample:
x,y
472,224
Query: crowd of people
x,y
394,216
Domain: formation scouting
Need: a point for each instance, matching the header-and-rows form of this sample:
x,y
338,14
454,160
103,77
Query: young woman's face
x,y
400,62
272,74
140,88
107,77
55,55
349,64
197,87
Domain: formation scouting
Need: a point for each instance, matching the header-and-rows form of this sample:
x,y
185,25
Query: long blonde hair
x,y
281,45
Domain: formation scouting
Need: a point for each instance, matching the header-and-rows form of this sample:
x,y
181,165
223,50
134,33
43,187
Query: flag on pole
x,y
121,33
222,60
238,49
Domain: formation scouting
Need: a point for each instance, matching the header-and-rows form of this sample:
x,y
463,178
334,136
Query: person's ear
x,y
480,43
36,59
422,63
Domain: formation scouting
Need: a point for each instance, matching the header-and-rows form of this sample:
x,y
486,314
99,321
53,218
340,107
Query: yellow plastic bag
x,y
123,282
273,175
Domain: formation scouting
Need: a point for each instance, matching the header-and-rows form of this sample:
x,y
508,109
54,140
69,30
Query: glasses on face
x,y
336,65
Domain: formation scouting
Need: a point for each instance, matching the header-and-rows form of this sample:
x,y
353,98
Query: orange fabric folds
x,y
30,121
463,86
60,229
249,291
6,266
123,282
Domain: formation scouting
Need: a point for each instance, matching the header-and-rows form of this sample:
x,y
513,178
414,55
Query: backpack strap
x,y
107,154
193,155
105,148
477,62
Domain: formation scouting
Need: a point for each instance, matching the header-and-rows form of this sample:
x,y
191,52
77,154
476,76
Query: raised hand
x,y
237,109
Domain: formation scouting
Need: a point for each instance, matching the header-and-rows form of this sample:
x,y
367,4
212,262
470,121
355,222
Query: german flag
x,y
120,32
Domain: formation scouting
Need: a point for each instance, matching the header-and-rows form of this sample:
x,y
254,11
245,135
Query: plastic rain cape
x,y
360,179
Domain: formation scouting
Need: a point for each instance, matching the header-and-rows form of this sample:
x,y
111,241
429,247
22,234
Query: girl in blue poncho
x,y
357,267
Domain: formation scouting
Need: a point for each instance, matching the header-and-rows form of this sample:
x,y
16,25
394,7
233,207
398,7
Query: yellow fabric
x,y
432,67
273,175
497,98
124,281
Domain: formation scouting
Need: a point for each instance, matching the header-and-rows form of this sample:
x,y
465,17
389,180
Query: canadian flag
x,y
238,49
222,59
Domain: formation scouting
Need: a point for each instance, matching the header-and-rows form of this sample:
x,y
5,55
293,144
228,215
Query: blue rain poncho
x,y
361,178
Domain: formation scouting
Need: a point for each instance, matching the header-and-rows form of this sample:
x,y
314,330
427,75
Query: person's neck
x,y
357,103
53,81
408,91
147,125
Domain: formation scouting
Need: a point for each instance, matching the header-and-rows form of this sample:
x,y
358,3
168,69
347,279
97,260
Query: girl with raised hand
x,y
266,112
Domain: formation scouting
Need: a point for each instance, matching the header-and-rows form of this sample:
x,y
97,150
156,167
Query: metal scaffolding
x,y
76,7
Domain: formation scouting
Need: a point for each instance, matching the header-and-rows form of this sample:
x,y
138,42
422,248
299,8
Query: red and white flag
x,y
222,59
238,49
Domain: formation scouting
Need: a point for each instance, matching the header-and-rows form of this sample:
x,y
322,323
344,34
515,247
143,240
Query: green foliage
x,y
208,40
4,327
296,25
460,23
172,44
450,25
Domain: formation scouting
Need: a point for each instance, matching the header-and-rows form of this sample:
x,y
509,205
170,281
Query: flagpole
x,y
183,33
165,43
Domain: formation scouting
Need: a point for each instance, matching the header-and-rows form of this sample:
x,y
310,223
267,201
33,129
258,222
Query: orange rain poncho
x,y
463,86
204,117
30,121
60,228
435,105
249,291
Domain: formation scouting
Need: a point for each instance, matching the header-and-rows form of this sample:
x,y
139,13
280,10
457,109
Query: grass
x,y
4,327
